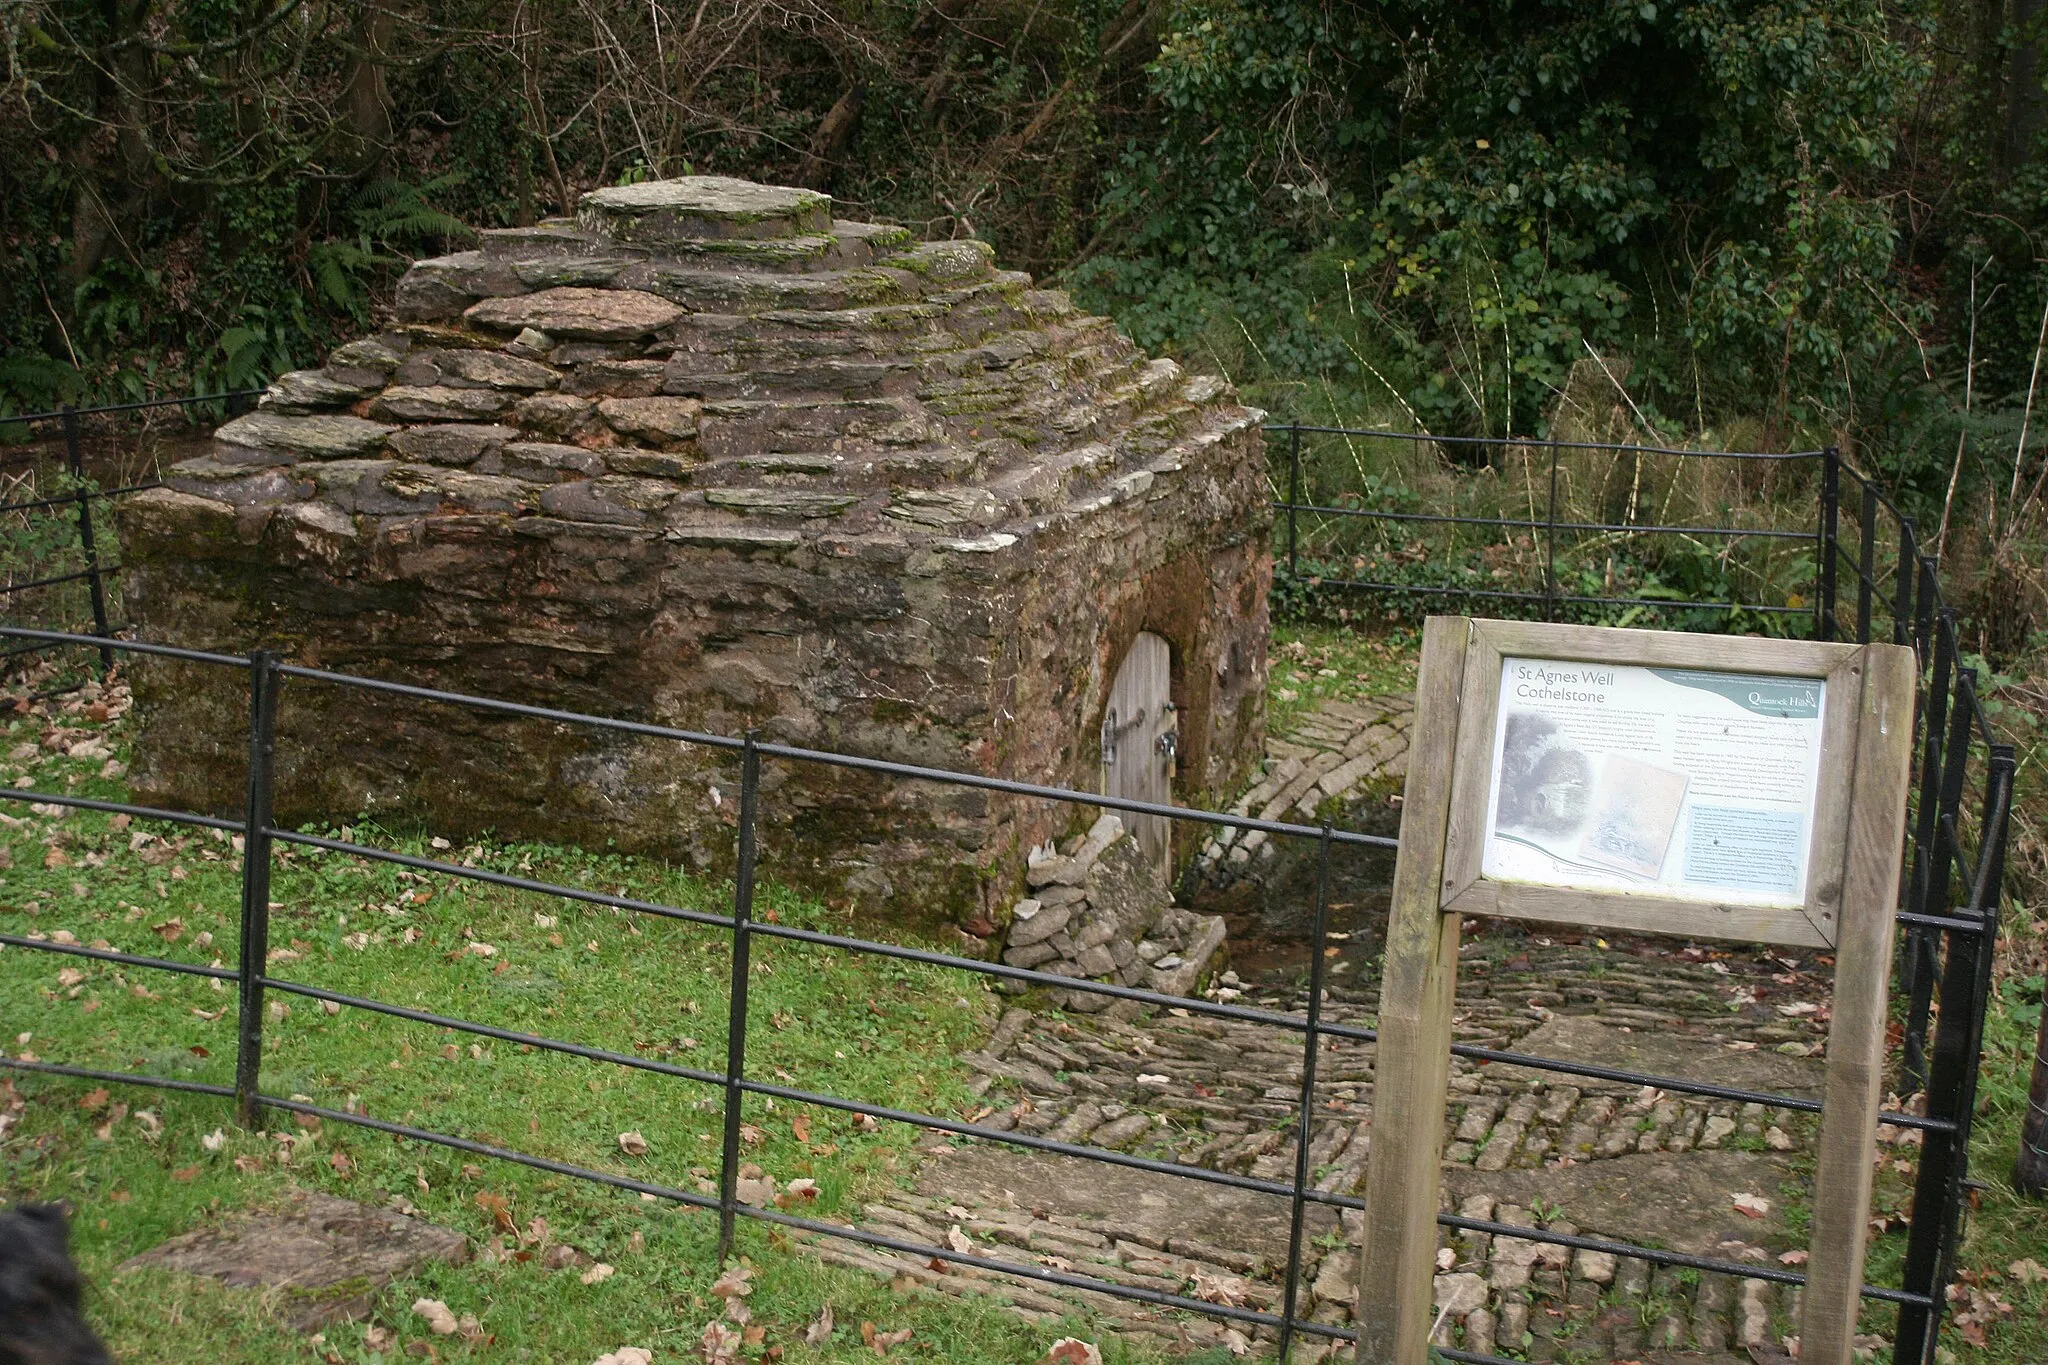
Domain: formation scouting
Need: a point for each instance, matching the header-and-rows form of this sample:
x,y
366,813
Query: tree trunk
x,y
834,136
366,100
2023,95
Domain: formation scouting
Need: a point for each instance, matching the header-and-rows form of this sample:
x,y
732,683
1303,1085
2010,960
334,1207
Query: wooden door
x,y
1140,738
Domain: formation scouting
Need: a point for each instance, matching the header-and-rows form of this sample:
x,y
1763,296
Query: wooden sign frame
x,y
1856,838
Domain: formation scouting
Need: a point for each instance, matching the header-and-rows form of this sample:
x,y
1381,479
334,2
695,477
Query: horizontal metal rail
x,y
71,499
1523,523
106,570
1136,1293
123,646
884,767
161,964
178,817
1622,1075
1534,444
190,399
1505,594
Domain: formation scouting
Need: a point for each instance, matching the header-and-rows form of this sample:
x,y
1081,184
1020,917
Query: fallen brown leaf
x,y
1228,1290
820,1330
720,1344
735,1283
882,1342
498,1208
440,1321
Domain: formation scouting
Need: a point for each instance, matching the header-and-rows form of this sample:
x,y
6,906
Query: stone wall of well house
x,y
705,456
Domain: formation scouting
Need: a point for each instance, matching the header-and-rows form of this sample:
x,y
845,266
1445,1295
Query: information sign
x,y
1678,781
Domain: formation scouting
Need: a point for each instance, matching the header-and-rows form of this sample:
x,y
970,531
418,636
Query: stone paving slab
x,y
1656,1199
1661,1053
323,1258
1153,1210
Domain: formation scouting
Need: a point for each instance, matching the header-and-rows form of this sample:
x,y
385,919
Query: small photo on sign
x,y
1635,812
1678,782
1546,783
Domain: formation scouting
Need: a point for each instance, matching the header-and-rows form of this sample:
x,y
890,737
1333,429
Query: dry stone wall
x,y
1100,909
706,456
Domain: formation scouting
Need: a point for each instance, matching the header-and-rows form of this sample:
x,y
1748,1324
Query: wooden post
x,y
1856,1033
1413,1058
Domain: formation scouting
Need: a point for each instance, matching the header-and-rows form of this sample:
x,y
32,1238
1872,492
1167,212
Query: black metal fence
x,y
1312,520
1949,912
75,506
1956,835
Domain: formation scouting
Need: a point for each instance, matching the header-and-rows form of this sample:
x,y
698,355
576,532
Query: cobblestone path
x,y
1523,1148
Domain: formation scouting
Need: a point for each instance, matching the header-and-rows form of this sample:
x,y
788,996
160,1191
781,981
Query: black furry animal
x,y
40,1321
1546,786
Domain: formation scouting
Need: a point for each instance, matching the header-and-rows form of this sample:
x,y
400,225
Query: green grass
x,y
135,1164
1312,663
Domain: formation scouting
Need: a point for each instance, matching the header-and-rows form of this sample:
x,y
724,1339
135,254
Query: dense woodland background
x,y
1769,221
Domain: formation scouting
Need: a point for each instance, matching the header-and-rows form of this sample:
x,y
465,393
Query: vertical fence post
x,y
1866,562
255,942
736,1005
1550,545
1306,1131
1938,1197
1902,588
1824,625
1921,943
74,457
1293,497
1924,602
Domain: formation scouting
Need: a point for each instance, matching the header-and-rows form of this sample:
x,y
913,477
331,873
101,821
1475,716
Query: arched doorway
x,y
1140,739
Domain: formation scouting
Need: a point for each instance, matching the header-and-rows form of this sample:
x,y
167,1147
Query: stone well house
x,y
707,457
